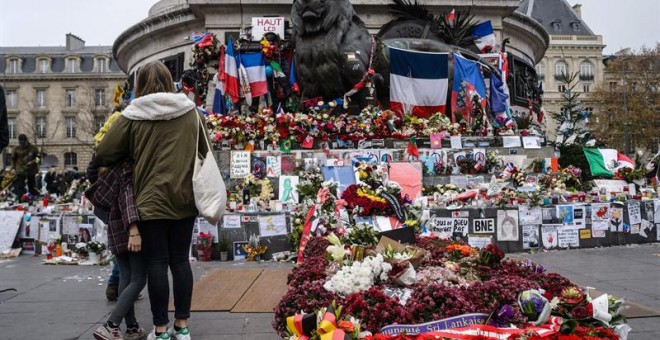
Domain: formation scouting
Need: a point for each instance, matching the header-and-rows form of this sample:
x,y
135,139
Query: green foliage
x,y
572,119
574,155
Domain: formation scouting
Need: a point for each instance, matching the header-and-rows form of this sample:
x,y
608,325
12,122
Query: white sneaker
x,y
183,334
162,336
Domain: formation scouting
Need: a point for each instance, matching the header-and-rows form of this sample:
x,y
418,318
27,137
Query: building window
x,y
586,88
101,64
98,122
70,97
556,25
40,124
70,159
575,25
13,66
561,88
586,70
43,65
12,99
41,99
70,127
540,71
99,97
11,124
71,65
560,69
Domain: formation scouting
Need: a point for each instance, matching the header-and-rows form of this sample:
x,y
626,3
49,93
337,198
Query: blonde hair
x,y
106,126
153,77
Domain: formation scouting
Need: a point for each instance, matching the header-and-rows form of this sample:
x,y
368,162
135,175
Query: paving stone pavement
x,y
68,302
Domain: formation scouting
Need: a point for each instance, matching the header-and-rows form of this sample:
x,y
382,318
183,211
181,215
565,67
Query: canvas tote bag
x,y
208,186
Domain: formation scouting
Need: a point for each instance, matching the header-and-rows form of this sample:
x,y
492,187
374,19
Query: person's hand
x,y
134,239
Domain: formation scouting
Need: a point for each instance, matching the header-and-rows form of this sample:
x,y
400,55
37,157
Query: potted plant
x,y
95,248
223,248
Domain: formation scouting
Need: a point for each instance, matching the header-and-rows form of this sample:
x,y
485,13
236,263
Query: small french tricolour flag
x,y
484,37
230,75
256,71
418,82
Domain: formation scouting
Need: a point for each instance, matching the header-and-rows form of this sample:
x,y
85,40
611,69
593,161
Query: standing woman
x,y
158,133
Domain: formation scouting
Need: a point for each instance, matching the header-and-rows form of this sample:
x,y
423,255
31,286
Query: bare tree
x,y
628,101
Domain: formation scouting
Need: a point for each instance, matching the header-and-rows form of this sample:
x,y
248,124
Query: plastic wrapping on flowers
x,y
453,279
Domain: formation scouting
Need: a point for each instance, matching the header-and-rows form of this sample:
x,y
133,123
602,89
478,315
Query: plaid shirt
x,y
113,193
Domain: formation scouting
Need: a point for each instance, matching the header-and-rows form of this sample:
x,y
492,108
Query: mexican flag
x,y
605,162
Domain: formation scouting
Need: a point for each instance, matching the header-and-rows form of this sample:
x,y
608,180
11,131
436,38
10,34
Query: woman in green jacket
x,y
158,132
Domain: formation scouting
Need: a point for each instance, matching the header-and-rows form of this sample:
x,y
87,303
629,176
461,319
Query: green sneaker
x,y
162,336
183,334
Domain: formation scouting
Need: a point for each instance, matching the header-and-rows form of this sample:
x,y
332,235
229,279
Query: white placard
x,y
10,222
479,242
600,212
507,225
483,226
656,212
461,226
529,215
549,235
511,141
616,218
272,225
289,189
455,142
634,213
240,164
531,142
273,166
530,236
611,185
568,238
231,222
441,226
263,25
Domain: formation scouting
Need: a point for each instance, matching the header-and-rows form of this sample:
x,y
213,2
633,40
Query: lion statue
x,y
333,50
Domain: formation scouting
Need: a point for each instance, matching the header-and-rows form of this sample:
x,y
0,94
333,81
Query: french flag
x,y
230,74
418,82
256,72
484,37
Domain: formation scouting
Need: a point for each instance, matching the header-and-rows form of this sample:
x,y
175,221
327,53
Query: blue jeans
x,y
113,280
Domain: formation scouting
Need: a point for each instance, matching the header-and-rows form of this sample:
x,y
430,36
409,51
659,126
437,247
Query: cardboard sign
x,y
611,185
483,226
240,164
263,25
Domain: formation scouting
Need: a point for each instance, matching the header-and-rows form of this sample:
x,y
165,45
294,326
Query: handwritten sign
x,y
460,226
263,25
240,164
442,227
634,213
568,238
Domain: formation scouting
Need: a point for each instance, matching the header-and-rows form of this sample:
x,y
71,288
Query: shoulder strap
x,y
200,126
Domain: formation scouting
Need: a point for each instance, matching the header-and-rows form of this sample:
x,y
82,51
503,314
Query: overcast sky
x,y
99,22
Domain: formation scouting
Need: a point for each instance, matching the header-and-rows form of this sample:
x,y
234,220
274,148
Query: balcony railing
x,y
587,77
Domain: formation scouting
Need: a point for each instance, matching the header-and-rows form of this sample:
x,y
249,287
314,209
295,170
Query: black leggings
x,y
167,243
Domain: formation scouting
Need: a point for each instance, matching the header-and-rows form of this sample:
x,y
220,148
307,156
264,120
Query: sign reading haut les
x,y
432,326
263,25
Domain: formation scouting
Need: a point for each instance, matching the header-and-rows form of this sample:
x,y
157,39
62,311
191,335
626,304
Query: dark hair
x,y
22,136
153,77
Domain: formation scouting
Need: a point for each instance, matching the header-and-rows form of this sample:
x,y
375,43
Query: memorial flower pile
x,y
451,280
322,124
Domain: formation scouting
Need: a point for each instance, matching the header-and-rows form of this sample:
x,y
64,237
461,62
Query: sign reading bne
x,y
263,25
484,226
